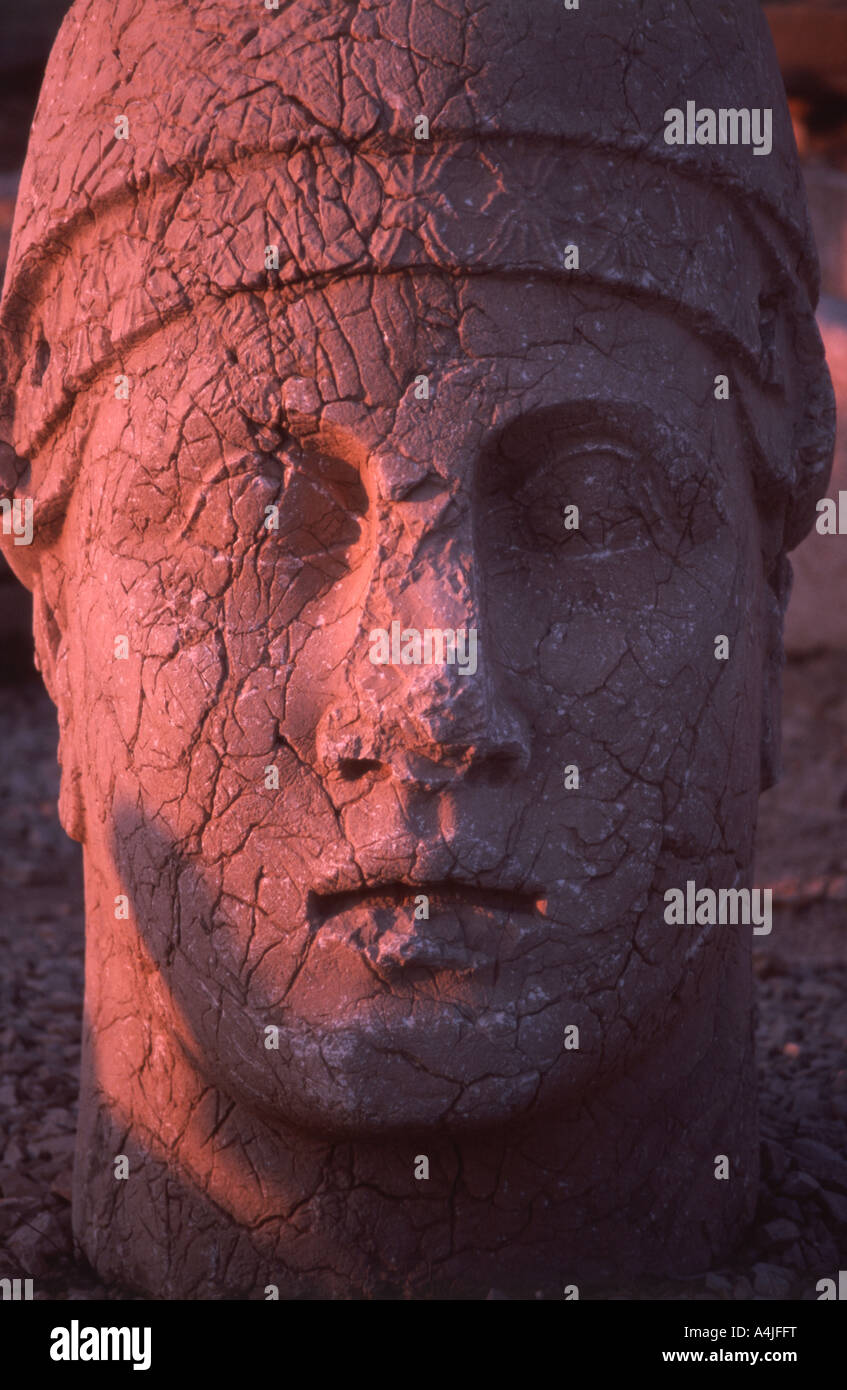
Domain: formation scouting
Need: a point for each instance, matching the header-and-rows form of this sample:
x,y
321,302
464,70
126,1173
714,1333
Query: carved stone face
x,y
343,911
249,649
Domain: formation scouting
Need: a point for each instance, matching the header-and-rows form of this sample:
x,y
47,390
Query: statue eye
x,y
579,499
590,502
322,507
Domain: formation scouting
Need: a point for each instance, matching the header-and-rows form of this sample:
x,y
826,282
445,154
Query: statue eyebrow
x,y
584,414
233,458
266,434
633,423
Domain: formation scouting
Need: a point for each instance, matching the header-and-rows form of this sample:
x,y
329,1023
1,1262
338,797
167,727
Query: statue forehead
x,y
391,318
359,342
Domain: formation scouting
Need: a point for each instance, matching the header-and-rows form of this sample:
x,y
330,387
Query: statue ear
x,y
777,594
51,659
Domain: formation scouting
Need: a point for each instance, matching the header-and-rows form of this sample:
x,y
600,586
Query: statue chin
x,y
393,1101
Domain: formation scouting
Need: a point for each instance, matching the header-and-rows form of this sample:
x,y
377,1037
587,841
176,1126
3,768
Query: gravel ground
x,y
800,1232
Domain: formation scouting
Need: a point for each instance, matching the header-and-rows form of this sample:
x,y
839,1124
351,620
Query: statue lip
x,y
378,919
444,895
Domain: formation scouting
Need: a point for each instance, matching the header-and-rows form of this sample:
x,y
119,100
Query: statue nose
x,y
424,698
426,702
428,728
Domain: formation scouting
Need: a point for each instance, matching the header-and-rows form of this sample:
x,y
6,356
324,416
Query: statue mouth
x,y
443,896
419,930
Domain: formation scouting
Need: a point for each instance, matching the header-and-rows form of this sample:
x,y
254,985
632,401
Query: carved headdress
x,y
298,127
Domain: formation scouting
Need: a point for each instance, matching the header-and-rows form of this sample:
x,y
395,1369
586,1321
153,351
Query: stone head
x,y
406,421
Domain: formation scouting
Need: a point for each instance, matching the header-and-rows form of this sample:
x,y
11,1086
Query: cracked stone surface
x,y
259,804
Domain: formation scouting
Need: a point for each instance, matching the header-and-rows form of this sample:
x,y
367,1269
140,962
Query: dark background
x,y
800,1233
